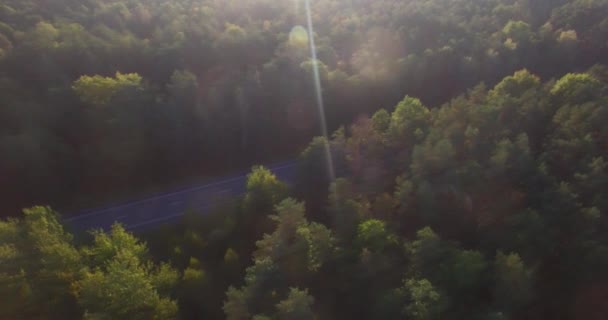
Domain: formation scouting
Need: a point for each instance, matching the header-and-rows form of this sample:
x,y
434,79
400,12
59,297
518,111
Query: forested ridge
x,y
104,98
468,141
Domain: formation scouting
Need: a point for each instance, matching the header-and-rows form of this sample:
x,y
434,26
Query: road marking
x,y
170,194
176,215
139,225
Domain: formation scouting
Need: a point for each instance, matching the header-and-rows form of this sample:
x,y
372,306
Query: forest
x,y
468,148
102,99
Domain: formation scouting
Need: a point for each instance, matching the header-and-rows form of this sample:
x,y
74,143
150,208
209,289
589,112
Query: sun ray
x,y
319,94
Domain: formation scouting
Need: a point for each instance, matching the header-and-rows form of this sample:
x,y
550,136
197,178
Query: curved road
x,y
170,206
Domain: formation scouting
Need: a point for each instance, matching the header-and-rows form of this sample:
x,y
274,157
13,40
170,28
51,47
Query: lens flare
x,y
319,95
298,37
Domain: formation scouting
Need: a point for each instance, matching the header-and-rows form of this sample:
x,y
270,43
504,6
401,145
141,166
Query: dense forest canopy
x,y
104,98
468,141
489,207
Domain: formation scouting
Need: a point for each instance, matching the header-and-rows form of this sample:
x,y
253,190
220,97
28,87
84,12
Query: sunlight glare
x,y
298,37
317,82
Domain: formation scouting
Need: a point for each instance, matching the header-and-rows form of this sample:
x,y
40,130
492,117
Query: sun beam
x,y
319,94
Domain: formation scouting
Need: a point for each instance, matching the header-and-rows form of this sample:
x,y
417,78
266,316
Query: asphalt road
x,y
168,207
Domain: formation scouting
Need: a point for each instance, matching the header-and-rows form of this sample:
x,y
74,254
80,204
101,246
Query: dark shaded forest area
x,y
209,86
469,143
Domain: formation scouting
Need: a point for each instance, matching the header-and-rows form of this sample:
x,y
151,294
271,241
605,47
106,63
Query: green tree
x,y
39,264
309,65
432,158
517,84
577,88
466,273
381,121
297,306
295,242
426,253
236,306
312,180
256,295
183,87
107,245
424,301
124,288
231,257
518,31
373,234
122,282
514,282
294,251
98,90
264,191
409,122
346,209
193,289
364,153
43,36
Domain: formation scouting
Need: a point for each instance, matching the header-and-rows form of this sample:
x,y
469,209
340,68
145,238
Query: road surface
x,y
168,207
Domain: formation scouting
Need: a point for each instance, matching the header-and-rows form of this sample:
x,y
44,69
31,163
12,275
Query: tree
x,y
264,191
384,207
518,31
256,294
373,234
240,45
297,306
409,122
15,289
98,90
364,152
192,291
122,282
313,178
39,264
294,251
107,245
513,282
236,306
231,257
426,253
466,273
424,301
310,65
432,158
43,36
567,36
183,87
577,88
208,85
516,85
578,124
346,209
381,121
295,242
123,289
